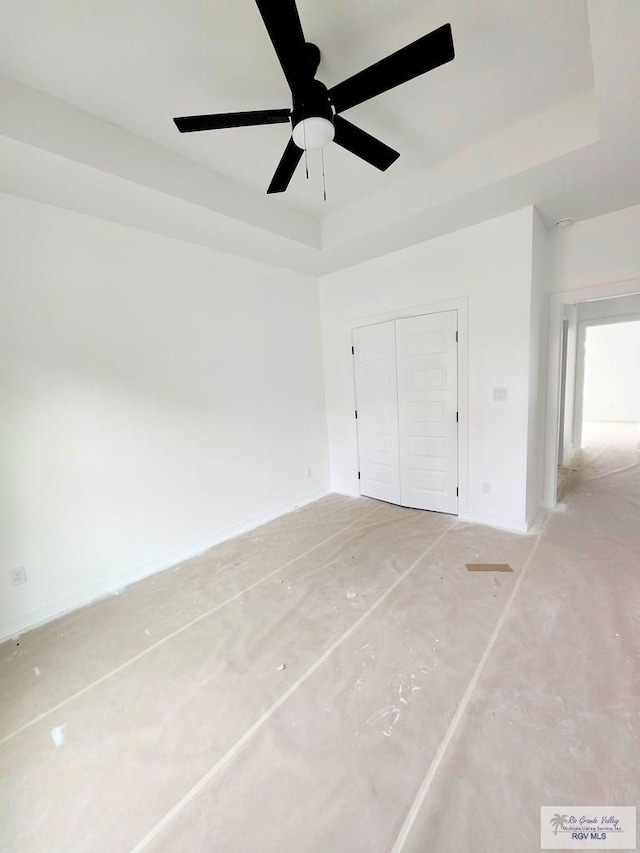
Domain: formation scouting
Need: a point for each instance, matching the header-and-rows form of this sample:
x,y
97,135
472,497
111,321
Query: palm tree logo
x,y
557,821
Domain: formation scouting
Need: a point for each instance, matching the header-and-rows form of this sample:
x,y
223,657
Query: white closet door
x,y
377,407
427,409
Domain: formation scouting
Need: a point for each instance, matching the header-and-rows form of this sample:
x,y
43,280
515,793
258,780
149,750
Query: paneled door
x,y
377,411
428,411
406,376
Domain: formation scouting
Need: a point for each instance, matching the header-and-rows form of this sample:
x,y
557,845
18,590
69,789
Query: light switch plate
x,y
500,395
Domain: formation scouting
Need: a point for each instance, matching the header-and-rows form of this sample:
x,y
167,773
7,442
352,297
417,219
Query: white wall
x,y
155,398
597,251
612,373
488,268
537,367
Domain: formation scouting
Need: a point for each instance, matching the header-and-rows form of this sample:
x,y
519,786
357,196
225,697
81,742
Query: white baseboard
x,y
115,583
537,519
513,525
502,522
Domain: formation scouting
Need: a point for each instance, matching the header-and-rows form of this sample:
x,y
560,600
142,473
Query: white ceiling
x,y
139,64
523,71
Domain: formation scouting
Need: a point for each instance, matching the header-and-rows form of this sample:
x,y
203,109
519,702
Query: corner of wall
x,y
540,285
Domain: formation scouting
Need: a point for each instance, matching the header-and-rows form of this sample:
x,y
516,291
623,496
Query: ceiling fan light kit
x,y
315,115
313,132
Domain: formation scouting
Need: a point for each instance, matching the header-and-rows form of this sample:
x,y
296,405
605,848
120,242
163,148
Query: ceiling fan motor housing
x,y
313,101
312,117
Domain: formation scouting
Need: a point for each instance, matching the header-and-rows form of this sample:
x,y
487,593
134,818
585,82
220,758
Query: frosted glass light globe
x,y
313,132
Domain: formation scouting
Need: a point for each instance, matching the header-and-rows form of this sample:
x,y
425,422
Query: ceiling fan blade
x,y
286,168
285,31
363,145
417,58
188,124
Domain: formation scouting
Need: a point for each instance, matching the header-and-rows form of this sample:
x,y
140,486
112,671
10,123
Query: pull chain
x,y
324,185
306,153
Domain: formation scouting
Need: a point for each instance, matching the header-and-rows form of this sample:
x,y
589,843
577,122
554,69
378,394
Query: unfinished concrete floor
x,y
338,681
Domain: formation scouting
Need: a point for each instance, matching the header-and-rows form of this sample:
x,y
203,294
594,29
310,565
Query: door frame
x,y
557,301
564,346
460,305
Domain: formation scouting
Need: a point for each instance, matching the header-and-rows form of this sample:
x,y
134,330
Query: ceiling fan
x,y
315,115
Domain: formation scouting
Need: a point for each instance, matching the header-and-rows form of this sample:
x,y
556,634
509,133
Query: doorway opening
x,y
611,391
599,401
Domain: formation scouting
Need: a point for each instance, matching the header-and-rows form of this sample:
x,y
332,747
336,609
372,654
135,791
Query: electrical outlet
x,y
309,473
18,576
500,395
486,488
